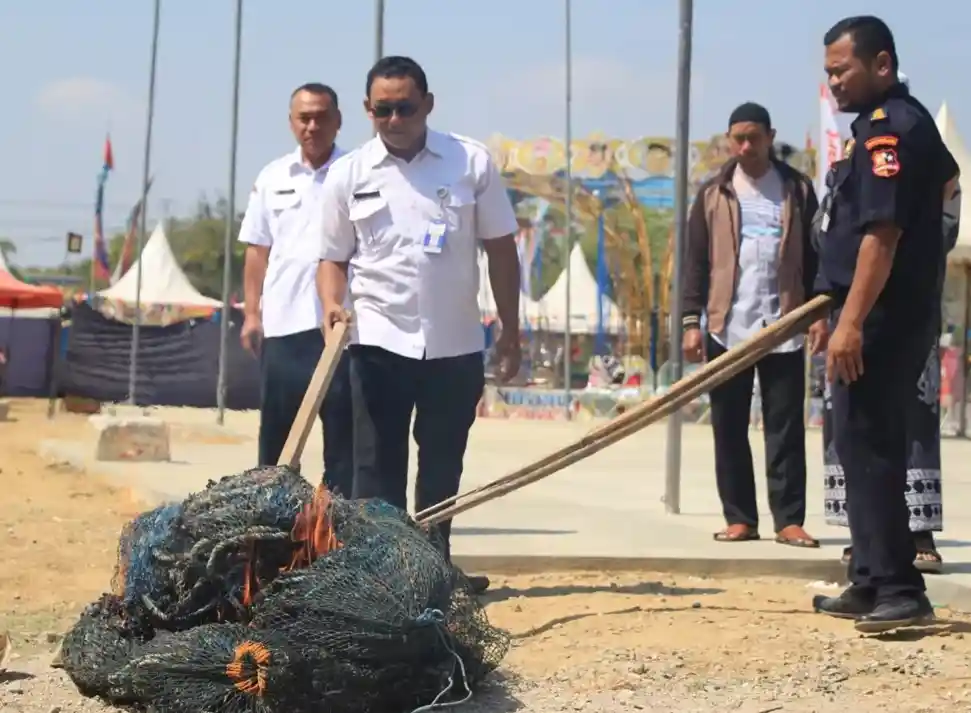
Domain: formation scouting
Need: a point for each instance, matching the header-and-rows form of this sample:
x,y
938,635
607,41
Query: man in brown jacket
x,y
750,260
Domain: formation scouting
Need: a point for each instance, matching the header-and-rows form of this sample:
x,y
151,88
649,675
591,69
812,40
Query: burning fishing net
x,y
261,594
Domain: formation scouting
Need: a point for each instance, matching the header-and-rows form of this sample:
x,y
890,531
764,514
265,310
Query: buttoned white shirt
x,y
284,215
376,212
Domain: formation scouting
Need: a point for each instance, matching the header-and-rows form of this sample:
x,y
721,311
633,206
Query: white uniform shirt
x,y
284,215
376,212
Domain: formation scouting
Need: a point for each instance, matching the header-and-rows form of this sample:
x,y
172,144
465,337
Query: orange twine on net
x,y
248,669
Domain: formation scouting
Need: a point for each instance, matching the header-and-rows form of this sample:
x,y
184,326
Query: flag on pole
x,y
128,249
830,138
99,268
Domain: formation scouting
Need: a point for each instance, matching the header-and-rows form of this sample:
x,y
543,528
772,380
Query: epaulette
x,y
848,148
878,115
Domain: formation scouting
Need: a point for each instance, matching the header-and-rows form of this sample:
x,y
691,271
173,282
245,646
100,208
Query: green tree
x,y
198,241
7,248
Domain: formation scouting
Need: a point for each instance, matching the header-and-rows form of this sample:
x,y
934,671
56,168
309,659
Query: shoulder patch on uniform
x,y
886,164
889,141
878,114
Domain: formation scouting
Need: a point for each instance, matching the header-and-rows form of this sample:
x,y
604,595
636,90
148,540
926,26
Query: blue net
x,y
139,570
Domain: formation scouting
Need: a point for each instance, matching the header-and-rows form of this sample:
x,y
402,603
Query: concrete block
x,y
79,404
139,439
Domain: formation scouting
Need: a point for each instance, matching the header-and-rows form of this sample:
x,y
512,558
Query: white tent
x,y
952,139
550,311
163,282
487,305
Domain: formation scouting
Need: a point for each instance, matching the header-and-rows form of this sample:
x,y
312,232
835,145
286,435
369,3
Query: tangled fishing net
x,y
261,594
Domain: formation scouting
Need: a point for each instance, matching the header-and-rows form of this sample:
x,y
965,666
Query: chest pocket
x,y
287,216
459,213
282,210
371,219
279,203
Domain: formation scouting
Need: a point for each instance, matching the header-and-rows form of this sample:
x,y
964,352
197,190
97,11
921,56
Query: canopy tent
x,y
167,296
16,295
550,310
29,342
961,254
487,305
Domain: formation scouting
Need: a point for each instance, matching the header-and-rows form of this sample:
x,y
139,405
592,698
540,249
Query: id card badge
x,y
434,239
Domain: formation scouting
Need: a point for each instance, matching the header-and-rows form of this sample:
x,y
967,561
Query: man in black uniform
x,y
880,252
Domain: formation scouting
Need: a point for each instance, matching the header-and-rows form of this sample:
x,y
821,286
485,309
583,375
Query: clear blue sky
x,y
73,70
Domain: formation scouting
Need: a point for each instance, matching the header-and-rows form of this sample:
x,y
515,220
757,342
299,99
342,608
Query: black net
x,y
228,668
259,594
197,560
100,643
398,621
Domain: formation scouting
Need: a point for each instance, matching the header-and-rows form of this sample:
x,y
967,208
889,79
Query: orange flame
x,y
313,533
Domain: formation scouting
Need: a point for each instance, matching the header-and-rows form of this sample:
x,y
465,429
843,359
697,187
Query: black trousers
x,y
782,382
443,394
870,437
286,367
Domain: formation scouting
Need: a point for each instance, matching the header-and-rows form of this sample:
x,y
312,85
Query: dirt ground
x,y
581,642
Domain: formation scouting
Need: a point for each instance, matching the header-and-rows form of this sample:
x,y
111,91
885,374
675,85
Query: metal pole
x,y
378,29
224,316
568,232
136,328
672,479
378,36
601,281
963,369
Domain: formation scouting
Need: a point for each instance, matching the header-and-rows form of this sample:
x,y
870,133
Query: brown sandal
x,y
929,561
737,533
795,536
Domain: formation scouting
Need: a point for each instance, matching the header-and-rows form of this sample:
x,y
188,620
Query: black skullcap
x,y
750,111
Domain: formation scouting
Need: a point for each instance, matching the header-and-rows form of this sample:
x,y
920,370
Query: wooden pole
x,y
684,391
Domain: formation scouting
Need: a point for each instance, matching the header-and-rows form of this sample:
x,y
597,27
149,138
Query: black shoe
x,y
896,613
480,583
851,604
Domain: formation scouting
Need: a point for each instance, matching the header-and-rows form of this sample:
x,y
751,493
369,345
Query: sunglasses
x,y
385,109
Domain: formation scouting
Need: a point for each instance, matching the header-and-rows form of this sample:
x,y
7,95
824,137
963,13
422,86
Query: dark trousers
x,y
870,437
443,394
286,367
782,382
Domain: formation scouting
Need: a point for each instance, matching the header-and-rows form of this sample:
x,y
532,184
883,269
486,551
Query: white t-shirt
x,y
756,304
377,211
284,215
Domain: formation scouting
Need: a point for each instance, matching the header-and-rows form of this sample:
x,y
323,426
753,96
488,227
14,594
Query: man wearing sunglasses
x,y
283,313
407,213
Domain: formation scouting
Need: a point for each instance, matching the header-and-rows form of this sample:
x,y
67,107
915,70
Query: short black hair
x,y
750,111
870,36
318,89
396,67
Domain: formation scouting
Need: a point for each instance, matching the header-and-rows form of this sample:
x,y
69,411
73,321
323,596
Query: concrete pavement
x,y
605,512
